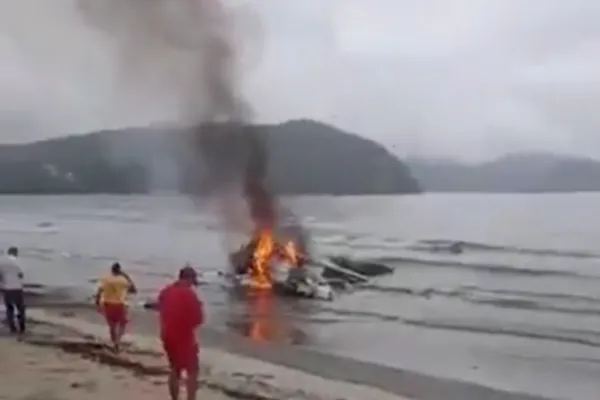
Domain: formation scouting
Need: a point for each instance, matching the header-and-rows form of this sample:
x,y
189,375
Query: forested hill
x,y
525,172
306,157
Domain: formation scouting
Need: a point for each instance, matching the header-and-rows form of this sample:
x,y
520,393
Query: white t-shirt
x,y
11,274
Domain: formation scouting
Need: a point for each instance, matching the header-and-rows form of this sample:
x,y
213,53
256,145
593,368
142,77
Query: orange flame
x,y
261,269
266,249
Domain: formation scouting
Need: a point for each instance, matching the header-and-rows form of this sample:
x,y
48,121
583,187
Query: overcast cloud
x,y
457,78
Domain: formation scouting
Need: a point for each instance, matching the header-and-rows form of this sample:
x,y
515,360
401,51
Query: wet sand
x,y
67,342
287,370
56,363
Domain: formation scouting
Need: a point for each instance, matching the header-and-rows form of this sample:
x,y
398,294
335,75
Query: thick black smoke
x,y
193,39
236,153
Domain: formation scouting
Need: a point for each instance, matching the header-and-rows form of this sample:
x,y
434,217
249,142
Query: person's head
x,y
13,251
188,275
116,269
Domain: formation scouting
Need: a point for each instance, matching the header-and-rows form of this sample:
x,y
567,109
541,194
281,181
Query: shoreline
x,y
56,362
228,373
284,369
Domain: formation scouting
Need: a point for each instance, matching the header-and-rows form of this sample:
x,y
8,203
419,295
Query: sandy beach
x,y
48,365
67,358
66,352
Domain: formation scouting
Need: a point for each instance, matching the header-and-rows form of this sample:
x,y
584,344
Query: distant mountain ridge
x,y
516,173
306,157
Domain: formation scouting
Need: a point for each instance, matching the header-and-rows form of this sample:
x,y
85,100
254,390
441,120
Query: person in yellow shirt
x,y
111,301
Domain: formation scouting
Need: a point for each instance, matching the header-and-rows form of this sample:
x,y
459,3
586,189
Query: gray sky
x,y
457,78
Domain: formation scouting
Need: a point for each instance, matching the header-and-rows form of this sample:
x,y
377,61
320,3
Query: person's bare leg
x,y
119,333
174,380
191,384
121,327
112,329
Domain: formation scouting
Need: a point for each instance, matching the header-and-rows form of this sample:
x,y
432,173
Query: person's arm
x,y
160,301
99,291
132,288
196,310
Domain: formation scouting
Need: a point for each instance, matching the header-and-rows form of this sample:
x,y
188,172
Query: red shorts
x,y
182,356
115,314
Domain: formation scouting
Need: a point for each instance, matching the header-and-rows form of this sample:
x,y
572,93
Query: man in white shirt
x,y
11,283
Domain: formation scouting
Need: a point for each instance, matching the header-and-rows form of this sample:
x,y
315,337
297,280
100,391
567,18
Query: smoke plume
x,y
186,48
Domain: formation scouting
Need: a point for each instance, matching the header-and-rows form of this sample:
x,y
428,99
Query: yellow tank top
x,y
114,289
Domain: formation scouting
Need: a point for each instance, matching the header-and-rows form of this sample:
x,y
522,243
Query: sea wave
x,y
43,228
574,336
435,245
513,299
588,338
405,262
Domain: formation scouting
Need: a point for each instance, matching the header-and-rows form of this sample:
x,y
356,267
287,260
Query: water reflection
x,y
264,317
263,321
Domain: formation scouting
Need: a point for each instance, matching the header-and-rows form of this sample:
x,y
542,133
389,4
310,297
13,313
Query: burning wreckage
x,y
269,263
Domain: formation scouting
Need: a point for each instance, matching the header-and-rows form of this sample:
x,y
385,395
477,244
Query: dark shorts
x,y
182,356
14,302
115,314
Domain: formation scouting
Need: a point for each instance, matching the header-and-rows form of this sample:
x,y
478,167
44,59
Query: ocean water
x,y
518,310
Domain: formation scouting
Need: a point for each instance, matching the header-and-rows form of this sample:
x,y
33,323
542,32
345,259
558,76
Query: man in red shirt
x,y
181,313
